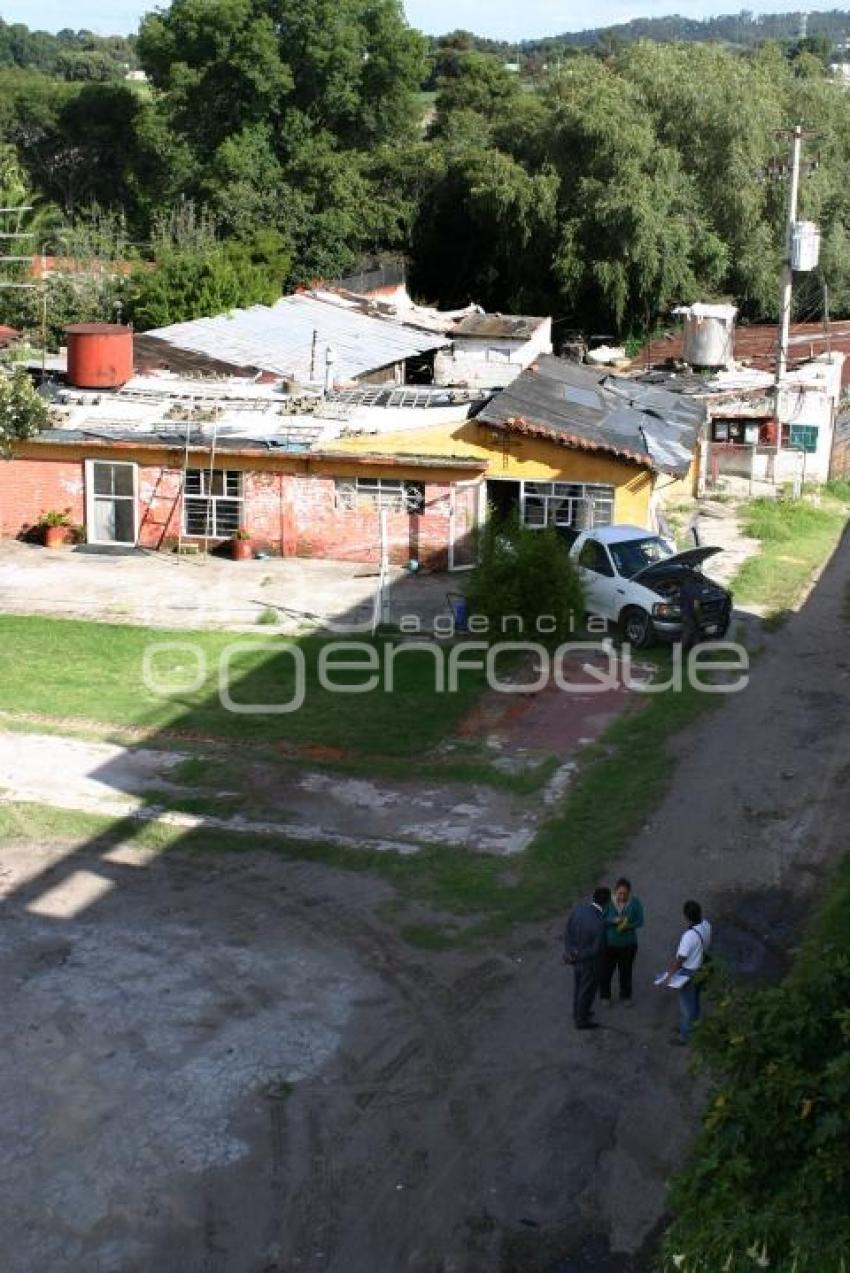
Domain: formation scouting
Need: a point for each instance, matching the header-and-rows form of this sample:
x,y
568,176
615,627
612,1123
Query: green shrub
x,y
23,413
527,573
839,488
769,1183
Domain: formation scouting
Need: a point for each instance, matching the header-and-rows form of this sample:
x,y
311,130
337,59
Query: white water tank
x,y
805,247
709,334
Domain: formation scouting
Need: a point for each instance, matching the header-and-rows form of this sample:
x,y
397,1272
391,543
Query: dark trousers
x,y
619,959
691,632
585,985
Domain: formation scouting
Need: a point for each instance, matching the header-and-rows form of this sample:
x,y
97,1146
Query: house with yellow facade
x,y
564,445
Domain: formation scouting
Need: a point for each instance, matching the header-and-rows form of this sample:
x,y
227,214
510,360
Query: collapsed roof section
x,y
591,410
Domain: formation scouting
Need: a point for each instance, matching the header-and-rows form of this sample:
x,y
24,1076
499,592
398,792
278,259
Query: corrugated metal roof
x,y
279,338
593,410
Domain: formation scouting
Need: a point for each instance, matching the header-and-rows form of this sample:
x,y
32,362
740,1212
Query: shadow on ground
x,y
228,1062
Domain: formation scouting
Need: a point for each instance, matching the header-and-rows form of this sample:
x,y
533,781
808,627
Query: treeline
x,y
293,131
745,29
742,30
69,55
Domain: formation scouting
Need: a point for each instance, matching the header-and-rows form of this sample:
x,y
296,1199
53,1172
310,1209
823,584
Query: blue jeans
x,y
688,1009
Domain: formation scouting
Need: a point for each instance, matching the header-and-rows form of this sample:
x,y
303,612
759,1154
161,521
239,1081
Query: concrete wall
x,y
810,406
811,395
492,363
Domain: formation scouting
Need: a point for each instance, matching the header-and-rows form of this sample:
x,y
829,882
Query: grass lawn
x,y
469,897
796,537
94,672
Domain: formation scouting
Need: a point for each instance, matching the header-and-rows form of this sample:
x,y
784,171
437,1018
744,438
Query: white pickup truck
x,y
632,577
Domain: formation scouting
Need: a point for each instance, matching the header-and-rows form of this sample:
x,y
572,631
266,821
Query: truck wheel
x,y
636,628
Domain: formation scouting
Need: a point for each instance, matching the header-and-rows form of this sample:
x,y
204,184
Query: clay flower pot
x,y
242,549
54,536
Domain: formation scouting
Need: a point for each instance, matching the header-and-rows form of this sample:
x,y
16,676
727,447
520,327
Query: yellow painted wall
x,y
513,456
670,489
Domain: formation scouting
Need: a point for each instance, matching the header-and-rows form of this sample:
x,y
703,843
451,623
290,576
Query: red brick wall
x,y
287,514
29,488
159,505
323,530
264,509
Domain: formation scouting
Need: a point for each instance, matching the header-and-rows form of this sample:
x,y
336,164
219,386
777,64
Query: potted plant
x,y
241,545
55,526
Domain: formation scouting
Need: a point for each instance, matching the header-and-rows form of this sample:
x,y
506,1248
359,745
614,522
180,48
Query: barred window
x,y
392,493
577,505
213,503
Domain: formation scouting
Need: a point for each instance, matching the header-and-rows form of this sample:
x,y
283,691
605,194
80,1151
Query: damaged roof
x,y
498,326
577,406
292,337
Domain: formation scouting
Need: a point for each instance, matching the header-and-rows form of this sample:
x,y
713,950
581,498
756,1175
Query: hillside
x,y
743,30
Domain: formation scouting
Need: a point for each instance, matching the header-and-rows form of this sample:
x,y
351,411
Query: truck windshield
x,y
632,555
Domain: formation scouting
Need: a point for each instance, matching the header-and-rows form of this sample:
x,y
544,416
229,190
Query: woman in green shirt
x,y
623,918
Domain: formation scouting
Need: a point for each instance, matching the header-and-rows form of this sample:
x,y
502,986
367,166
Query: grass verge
x,y
796,536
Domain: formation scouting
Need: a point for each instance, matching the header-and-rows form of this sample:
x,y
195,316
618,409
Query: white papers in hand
x,y
675,981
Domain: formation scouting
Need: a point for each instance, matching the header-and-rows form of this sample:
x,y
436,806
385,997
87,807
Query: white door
x,y
602,587
111,502
467,502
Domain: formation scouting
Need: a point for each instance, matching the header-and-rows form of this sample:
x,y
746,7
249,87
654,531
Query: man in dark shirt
x,y
584,945
689,606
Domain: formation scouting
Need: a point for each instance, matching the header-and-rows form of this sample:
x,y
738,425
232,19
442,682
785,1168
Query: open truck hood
x,y
690,557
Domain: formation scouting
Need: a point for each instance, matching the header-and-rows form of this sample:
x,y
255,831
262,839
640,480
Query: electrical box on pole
x,y
805,247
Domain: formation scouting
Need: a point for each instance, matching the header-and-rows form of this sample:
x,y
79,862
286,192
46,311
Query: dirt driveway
x,y
164,590
233,1065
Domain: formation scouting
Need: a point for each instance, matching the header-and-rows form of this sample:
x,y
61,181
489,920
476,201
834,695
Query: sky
x,y
501,19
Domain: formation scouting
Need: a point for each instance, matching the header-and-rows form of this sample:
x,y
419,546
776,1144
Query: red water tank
x,y
100,355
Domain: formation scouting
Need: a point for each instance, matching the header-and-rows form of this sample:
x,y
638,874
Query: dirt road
x,y
234,1066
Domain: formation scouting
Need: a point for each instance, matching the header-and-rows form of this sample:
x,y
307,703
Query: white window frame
x,y
92,499
212,529
595,498
391,493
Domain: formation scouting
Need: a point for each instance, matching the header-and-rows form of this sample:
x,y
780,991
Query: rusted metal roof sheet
x,y
756,345
592,410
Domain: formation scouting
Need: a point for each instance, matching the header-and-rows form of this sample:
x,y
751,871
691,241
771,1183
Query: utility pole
x,y
787,273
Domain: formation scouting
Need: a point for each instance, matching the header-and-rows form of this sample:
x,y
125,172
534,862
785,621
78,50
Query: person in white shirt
x,y
690,957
